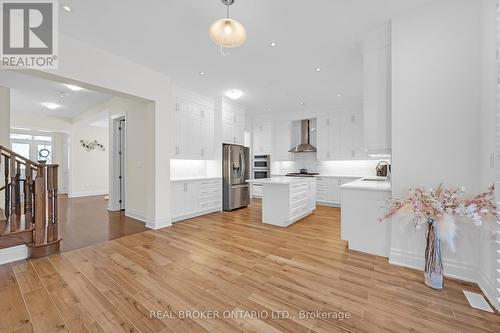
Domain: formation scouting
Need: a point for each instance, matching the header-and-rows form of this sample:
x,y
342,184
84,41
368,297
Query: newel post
x,y
52,229
40,205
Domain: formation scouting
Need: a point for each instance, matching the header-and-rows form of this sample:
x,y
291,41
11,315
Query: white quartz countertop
x,y
334,176
184,179
279,180
363,184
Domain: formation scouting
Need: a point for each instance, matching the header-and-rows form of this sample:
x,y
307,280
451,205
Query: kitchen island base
x,y
287,200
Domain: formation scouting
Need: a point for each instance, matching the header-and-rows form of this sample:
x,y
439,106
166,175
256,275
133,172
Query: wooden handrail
x,y
35,198
9,153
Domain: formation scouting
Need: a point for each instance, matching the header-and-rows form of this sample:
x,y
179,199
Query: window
x,y
16,136
22,149
33,147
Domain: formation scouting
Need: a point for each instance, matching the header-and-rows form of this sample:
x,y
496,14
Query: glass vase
x,y
433,258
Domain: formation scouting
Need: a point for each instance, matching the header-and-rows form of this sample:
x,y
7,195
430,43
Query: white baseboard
x,y
150,222
489,291
328,204
135,214
158,223
12,254
196,214
87,194
452,268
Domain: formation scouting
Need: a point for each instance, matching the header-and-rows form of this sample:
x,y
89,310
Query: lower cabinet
x,y
256,191
328,189
195,197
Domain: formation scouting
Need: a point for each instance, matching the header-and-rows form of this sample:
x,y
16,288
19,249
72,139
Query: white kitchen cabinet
x,y
377,91
194,130
191,198
184,198
328,138
351,136
328,189
340,137
286,200
282,141
262,138
233,124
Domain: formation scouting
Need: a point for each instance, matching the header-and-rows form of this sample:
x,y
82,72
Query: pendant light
x,y
226,32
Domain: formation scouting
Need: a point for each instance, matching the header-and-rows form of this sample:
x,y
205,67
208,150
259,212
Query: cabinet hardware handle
x,y
177,149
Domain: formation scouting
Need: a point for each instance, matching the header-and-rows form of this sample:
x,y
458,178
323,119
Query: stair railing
x,y
35,207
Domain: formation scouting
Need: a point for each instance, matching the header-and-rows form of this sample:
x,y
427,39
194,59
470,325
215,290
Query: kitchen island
x,y
286,200
363,203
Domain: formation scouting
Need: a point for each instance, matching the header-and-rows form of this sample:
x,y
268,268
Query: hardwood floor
x,y
87,221
230,262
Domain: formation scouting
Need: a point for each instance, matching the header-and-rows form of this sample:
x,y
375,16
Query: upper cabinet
x,y
340,136
233,123
377,91
262,138
194,127
281,141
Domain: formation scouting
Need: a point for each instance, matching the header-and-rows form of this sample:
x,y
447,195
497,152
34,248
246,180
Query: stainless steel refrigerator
x,y
235,173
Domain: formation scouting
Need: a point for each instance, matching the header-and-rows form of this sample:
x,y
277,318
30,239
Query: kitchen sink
x,y
375,179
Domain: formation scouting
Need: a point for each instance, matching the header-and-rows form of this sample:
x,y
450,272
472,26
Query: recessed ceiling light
x,y
339,95
302,103
202,73
66,8
73,87
234,94
272,44
51,106
318,69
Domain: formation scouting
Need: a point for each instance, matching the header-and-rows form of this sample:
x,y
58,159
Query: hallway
x,y
86,221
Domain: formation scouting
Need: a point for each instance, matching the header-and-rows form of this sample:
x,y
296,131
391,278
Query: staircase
x,y
30,212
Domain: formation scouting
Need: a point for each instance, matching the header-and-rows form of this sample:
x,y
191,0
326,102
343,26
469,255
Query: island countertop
x,y
369,185
279,180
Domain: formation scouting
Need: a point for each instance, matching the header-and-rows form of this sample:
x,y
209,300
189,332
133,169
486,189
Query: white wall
x,y
85,65
435,119
5,117
139,155
88,169
4,127
487,248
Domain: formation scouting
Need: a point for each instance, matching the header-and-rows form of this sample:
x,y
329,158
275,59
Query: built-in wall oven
x,y
261,169
262,162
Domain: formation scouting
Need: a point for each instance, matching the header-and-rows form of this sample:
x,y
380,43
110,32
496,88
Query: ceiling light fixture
x,y
234,94
67,8
227,32
272,44
302,103
202,73
339,95
73,87
51,106
318,69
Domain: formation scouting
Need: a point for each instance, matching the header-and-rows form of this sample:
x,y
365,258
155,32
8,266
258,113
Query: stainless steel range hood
x,y
305,144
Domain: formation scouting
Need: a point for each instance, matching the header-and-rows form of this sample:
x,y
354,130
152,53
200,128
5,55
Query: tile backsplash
x,y
308,161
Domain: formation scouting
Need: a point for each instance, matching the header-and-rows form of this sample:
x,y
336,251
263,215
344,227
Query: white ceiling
x,y
171,37
28,92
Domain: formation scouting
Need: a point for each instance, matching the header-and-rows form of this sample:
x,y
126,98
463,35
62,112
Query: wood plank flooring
x,y
87,221
240,274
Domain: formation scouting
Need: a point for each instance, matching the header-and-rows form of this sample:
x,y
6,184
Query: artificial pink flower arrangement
x,y
440,205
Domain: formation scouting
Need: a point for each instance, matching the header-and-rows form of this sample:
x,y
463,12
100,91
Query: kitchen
x,y
355,141
293,161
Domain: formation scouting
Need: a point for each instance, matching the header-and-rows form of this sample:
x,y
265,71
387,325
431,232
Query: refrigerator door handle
x,y
240,186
